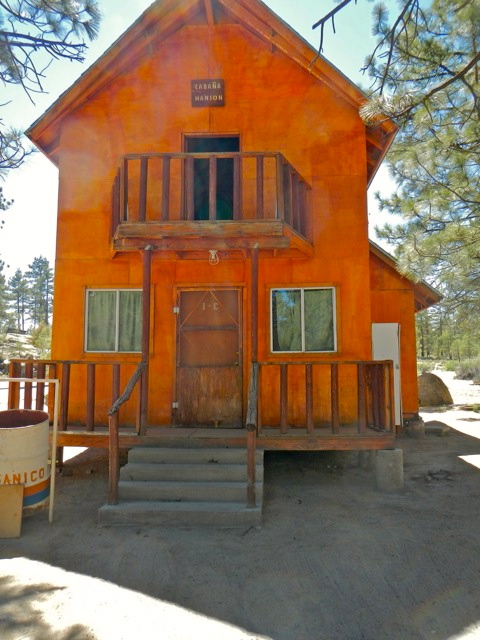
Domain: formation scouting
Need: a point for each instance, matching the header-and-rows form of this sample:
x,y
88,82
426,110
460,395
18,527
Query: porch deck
x,y
270,439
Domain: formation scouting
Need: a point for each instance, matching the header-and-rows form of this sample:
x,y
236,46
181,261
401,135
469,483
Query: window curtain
x,y
314,320
319,331
101,320
130,321
287,320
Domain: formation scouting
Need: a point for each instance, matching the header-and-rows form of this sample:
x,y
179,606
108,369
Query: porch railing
x,y
113,435
79,380
160,187
330,390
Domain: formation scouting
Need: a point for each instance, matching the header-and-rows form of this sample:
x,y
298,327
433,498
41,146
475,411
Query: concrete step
x,y
187,472
185,487
187,491
194,455
185,514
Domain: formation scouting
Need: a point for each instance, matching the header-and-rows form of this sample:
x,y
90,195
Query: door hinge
x,y
176,309
174,405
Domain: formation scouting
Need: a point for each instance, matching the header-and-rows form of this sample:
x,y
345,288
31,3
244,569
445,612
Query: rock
x,y
432,391
436,428
414,427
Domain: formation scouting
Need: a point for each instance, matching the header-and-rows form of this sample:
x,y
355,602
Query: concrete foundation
x,y
389,470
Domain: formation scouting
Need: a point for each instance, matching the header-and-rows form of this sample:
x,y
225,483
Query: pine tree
x,y
435,160
3,298
39,278
32,34
17,293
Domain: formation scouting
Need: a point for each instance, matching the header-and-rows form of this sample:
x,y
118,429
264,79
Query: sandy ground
x,y
334,559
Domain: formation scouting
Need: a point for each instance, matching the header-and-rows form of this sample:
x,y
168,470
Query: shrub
x,y
424,366
468,369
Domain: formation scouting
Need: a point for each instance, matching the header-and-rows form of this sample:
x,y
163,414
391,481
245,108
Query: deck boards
x,y
269,440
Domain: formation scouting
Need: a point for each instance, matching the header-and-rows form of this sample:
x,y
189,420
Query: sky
x,y
30,224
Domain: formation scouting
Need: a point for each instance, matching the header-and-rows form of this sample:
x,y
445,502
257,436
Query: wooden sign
x,y
208,93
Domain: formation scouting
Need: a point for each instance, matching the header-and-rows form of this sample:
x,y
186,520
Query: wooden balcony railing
x,y
174,187
330,390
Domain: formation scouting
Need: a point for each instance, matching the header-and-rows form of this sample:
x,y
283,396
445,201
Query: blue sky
x,y
29,229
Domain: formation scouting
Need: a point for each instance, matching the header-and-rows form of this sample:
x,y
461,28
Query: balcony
x,y
187,203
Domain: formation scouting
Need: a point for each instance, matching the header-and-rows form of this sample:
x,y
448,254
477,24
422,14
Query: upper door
x,y
201,175
209,358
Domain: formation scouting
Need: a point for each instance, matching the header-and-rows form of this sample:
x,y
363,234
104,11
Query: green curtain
x,y
130,321
319,331
107,331
101,320
287,320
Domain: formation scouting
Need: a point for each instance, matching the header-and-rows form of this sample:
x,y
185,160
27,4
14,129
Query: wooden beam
x,y
146,307
254,304
265,441
209,12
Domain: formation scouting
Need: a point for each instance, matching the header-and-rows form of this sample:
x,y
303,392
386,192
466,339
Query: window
x,y
303,320
113,320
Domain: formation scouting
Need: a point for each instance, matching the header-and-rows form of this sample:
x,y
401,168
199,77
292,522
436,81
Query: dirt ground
x,y
334,559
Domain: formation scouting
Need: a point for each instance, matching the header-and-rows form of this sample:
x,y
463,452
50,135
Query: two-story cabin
x,y
212,223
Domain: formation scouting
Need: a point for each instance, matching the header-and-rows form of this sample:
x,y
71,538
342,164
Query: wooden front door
x,y
209,358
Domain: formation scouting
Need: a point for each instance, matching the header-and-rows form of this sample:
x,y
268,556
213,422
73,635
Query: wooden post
x,y
334,394
283,398
260,179
27,398
251,465
40,395
146,304
113,458
64,396
15,371
90,396
115,205
124,191
166,188
142,201
280,189
390,389
189,191
361,390
252,416
254,305
113,440
309,397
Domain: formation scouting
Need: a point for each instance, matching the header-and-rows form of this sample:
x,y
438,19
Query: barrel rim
x,y
20,418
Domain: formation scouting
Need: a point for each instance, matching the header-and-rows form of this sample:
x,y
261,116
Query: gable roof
x,y
425,296
165,17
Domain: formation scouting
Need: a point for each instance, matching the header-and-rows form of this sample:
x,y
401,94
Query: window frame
x,y
117,291
302,317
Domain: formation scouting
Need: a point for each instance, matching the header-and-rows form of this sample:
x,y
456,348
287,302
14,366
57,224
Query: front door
x,y
209,358
201,175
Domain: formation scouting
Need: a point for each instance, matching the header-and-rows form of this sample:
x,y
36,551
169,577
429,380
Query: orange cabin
x,y
212,223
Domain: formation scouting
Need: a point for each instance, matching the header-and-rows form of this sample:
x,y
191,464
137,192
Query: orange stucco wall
x,y
272,104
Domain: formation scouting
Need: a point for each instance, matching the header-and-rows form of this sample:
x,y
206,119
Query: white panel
x,y
386,346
